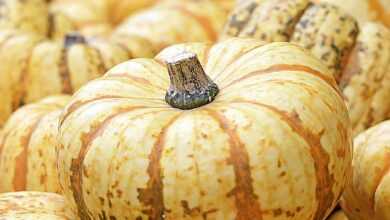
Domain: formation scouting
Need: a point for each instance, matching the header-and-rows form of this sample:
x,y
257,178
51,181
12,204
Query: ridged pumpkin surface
x,y
274,144
27,147
367,195
32,68
173,22
33,206
365,10
26,15
359,57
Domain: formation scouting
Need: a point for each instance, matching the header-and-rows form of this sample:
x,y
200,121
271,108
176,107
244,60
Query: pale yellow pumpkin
x,y
26,15
14,51
33,206
367,195
27,147
33,68
274,143
357,56
81,12
366,79
174,22
121,9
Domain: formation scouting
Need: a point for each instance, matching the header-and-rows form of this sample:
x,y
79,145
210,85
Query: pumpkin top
x,y
274,101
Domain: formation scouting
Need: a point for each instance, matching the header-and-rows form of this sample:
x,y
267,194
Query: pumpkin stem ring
x,y
190,86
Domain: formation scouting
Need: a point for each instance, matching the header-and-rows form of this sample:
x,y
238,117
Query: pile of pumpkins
x,y
195,109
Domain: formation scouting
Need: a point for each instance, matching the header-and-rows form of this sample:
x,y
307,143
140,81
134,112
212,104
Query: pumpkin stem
x,y
190,86
74,38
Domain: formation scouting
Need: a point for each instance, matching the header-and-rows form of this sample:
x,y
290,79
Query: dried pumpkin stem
x,y
74,38
190,86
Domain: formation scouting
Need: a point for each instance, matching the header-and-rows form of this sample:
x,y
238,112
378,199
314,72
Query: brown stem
x,y
74,38
190,86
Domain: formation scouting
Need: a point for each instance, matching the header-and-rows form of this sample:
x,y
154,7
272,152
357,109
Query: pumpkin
x,y
27,147
81,13
366,79
338,215
14,51
34,205
367,194
238,130
33,19
358,57
29,62
121,9
171,21
365,10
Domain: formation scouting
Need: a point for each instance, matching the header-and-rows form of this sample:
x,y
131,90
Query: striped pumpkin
x,y
27,147
365,10
171,22
34,205
358,57
29,62
264,135
33,16
367,195
27,15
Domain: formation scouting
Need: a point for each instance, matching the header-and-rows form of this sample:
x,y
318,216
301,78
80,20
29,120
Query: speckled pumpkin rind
x,y
366,78
15,48
27,147
33,206
28,63
357,55
365,10
274,144
265,20
69,66
328,33
367,195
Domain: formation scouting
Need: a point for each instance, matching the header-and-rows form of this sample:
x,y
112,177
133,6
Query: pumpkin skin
x,y
171,21
258,151
30,62
14,51
27,147
338,215
365,81
367,194
358,56
34,205
120,9
365,10
33,19
81,13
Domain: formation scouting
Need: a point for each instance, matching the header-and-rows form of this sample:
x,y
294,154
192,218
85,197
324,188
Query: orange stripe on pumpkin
x,y
77,164
325,180
21,161
380,11
203,21
247,203
152,195
289,67
64,73
78,104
